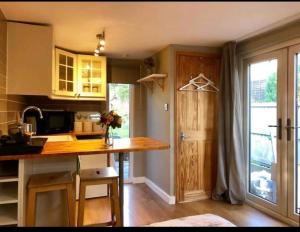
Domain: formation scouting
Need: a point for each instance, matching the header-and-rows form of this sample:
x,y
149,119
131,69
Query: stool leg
x,y
81,204
112,204
115,196
70,204
31,208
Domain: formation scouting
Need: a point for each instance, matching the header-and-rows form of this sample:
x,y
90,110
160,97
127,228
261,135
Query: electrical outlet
x,y
166,106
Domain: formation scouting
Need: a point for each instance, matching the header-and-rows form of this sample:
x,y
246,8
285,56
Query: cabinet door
x,y
65,70
92,76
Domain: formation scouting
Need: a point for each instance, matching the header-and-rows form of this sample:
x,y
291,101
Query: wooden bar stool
x,y
99,176
50,182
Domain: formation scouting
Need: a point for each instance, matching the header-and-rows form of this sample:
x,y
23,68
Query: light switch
x,y
166,106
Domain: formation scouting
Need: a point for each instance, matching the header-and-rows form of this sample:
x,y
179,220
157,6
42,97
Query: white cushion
x,y
195,221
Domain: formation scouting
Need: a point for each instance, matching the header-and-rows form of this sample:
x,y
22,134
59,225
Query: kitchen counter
x,y
94,146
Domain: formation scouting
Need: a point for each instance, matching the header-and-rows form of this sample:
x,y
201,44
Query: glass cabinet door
x,y
65,73
91,76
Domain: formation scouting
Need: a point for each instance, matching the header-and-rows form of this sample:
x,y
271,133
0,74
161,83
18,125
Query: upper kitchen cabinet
x,y
65,83
79,77
29,59
91,76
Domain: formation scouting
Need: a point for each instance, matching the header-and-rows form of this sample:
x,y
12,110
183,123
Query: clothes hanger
x,y
204,84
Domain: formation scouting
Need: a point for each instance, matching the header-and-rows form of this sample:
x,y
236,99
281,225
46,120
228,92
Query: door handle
x,y
183,136
279,128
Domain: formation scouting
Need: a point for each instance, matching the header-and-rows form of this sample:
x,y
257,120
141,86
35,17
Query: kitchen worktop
x,y
94,146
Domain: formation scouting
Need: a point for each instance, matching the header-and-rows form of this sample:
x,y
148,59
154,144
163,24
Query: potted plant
x,y
110,119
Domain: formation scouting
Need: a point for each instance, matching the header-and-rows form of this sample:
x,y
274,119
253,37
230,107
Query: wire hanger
x,y
201,83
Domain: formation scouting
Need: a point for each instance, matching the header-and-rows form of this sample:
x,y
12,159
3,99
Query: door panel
x,y
266,76
196,128
293,135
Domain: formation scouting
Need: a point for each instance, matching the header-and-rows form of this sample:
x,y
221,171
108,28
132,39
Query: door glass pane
x,y
86,88
62,59
297,139
262,136
70,74
70,61
119,101
62,85
96,65
70,86
62,72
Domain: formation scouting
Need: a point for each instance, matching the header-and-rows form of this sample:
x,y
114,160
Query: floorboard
x,y
142,206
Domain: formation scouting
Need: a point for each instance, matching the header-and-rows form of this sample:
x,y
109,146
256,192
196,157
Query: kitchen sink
x,y
55,138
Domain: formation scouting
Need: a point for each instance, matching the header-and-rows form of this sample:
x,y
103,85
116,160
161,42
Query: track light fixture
x,y
100,44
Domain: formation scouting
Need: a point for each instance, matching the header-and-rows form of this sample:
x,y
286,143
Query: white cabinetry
x,y
29,59
79,77
9,197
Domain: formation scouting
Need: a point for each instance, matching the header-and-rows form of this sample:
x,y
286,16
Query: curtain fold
x,y
231,169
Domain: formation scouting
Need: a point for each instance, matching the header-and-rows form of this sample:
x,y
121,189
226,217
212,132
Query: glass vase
x,y
108,140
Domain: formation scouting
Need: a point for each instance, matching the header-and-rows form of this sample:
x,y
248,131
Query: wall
x,y
160,165
158,125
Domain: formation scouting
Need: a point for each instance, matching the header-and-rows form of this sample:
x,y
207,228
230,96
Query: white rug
x,y
195,221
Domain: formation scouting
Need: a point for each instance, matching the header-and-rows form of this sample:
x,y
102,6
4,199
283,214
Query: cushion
x,y
195,221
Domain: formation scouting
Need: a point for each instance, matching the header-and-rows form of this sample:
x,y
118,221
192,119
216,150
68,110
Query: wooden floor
x,y
142,206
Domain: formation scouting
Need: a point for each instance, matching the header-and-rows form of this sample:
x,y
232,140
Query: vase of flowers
x,y
110,120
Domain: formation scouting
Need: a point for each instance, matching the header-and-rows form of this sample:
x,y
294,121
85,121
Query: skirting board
x,y
161,193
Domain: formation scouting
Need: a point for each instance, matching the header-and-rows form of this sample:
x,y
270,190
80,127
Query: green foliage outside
x,y
119,102
271,88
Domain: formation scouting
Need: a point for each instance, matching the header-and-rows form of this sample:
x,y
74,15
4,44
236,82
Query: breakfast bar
x,y
97,146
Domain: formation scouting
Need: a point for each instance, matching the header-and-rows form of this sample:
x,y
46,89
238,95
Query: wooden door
x,y
196,118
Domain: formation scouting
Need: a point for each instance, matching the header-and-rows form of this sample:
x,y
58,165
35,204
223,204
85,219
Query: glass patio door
x,y
266,112
293,133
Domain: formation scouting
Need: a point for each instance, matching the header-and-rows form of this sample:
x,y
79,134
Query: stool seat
x,y
46,179
98,173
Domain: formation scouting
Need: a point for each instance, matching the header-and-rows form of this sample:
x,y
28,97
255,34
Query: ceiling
x,y
139,29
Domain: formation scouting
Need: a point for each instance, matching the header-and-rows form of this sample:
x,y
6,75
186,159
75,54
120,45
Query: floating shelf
x,y
8,214
158,78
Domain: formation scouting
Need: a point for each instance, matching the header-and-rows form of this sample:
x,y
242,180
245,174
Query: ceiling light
x,y
101,42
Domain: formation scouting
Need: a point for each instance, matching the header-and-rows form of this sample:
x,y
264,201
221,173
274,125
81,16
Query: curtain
x,y
231,169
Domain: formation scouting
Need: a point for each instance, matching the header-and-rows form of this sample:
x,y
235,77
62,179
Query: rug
x,y
210,220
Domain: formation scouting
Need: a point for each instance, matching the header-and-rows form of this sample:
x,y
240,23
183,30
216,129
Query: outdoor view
x,y
119,102
263,114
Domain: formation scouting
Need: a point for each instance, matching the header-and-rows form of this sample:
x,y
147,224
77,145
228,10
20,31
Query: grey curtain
x,y
231,170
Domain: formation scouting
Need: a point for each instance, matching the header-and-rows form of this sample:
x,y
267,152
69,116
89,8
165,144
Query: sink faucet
x,y
29,108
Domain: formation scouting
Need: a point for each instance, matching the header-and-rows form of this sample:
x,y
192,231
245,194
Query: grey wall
x,y
160,165
158,126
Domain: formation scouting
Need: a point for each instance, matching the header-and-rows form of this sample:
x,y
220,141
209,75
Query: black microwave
x,y
53,121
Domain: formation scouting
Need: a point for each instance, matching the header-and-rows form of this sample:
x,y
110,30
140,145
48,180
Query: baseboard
x,y
161,193
138,180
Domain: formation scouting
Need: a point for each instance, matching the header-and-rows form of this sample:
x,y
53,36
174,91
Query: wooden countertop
x,y
94,146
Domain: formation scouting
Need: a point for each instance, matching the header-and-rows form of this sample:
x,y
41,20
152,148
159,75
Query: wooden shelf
x,y
8,193
157,78
8,214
